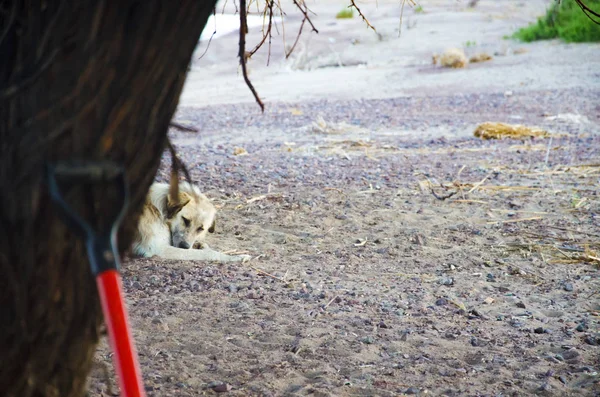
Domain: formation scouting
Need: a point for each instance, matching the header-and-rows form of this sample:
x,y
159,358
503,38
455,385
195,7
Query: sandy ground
x,y
364,283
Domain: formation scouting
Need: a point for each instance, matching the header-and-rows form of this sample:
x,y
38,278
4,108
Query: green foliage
x,y
470,43
419,9
564,20
345,13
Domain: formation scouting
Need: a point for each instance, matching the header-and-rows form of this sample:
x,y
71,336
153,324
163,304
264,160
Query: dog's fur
x,y
173,230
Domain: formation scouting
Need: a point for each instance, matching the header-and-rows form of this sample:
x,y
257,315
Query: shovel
x,y
104,259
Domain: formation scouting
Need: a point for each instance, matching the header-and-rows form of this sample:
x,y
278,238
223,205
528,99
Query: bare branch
x,y
212,35
242,52
305,11
589,12
176,165
268,32
182,127
442,198
353,4
287,55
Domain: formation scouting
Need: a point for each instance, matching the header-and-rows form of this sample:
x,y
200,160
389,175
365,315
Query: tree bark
x,y
78,79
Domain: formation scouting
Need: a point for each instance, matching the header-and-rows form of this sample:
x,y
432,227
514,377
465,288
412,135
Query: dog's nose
x,y
184,245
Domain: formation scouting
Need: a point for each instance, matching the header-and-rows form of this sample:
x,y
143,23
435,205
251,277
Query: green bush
x,y
564,20
345,13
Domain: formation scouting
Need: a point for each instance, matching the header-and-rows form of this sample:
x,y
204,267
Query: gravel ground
x,y
366,280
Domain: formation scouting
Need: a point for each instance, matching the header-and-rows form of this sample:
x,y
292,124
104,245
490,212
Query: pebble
x,y
521,305
412,390
383,325
571,355
233,288
441,302
137,285
219,387
545,387
368,340
568,287
581,327
516,323
446,281
592,340
562,379
222,388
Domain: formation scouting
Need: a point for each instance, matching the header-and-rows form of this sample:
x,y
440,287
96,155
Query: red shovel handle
x,y
115,316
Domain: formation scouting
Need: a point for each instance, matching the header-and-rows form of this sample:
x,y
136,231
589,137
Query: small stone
x,y
545,387
488,300
446,281
137,285
582,327
521,305
233,288
539,330
562,379
412,390
568,287
222,388
383,325
441,302
474,313
592,340
515,322
368,340
571,355
515,204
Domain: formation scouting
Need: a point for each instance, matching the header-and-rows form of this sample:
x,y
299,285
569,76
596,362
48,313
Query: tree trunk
x,y
93,80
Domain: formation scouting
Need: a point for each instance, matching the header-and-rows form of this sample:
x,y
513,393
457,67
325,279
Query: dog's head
x,y
190,218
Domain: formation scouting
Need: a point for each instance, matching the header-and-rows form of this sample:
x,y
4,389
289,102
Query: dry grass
x,y
240,151
492,130
451,58
320,126
481,57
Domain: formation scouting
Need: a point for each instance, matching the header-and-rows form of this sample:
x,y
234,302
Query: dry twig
x,y
353,5
243,55
182,127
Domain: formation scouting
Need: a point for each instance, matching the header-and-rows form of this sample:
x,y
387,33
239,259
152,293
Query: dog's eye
x,y
201,228
186,221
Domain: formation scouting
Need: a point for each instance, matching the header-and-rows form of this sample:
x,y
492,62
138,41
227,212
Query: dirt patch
x,y
364,282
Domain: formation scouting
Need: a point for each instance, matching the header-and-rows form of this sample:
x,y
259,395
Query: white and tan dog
x,y
172,230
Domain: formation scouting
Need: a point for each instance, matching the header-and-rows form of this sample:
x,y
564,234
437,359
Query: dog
x,y
171,229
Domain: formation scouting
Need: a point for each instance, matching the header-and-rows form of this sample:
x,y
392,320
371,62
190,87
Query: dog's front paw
x,y
199,245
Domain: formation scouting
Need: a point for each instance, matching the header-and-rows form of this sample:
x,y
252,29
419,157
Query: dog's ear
x,y
174,207
211,229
